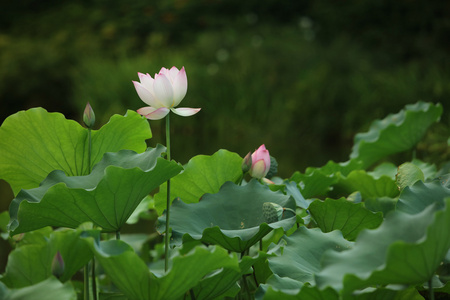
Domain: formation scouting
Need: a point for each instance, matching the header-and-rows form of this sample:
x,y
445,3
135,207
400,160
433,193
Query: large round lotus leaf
x,y
132,276
51,288
408,174
303,252
31,263
289,289
107,197
219,285
405,249
35,142
202,174
350,218
417,197
233,217
315,184
395,133
367,185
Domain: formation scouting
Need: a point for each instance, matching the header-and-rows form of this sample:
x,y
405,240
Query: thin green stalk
x,y
117,235
254,276
245,284
89,149
244,288
86,282
86,267
166,238
191,293
430,289
94,281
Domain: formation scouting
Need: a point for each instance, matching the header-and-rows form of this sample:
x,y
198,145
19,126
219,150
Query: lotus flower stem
x,y
191,293
89,121
94,281
166,237
430,289
89,149
245,286
86,282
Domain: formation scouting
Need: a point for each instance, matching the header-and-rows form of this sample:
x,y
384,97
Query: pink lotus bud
x,y
247,163
89,116
58,265
260,163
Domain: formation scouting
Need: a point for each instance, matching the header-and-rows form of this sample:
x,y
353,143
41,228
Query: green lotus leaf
x,y
315,184
318,182
28,265
303,252
202,174
445,180
332,168
51,288
405,249
384,169
408,174
73,250
260,266
35,142
142,211
35,237
107,197
382,204
429,170
289,289
417,197
31,263
395,133
382,293
132,276
218,285
350,218
223,283
112,296
293,190
232,218
367,185
283,288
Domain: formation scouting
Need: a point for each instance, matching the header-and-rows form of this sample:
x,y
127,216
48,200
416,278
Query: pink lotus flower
x,y
260,163
163,93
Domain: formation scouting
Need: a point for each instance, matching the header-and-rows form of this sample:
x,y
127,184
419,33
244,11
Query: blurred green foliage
x,y
302,76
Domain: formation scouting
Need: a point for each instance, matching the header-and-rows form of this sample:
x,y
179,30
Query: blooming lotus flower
x,y
163,93
260,163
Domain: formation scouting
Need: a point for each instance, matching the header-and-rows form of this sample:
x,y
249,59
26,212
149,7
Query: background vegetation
x,y
302,76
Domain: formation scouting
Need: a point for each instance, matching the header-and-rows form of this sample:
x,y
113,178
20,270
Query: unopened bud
x,y
260,163
89,116
58,265
247,163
